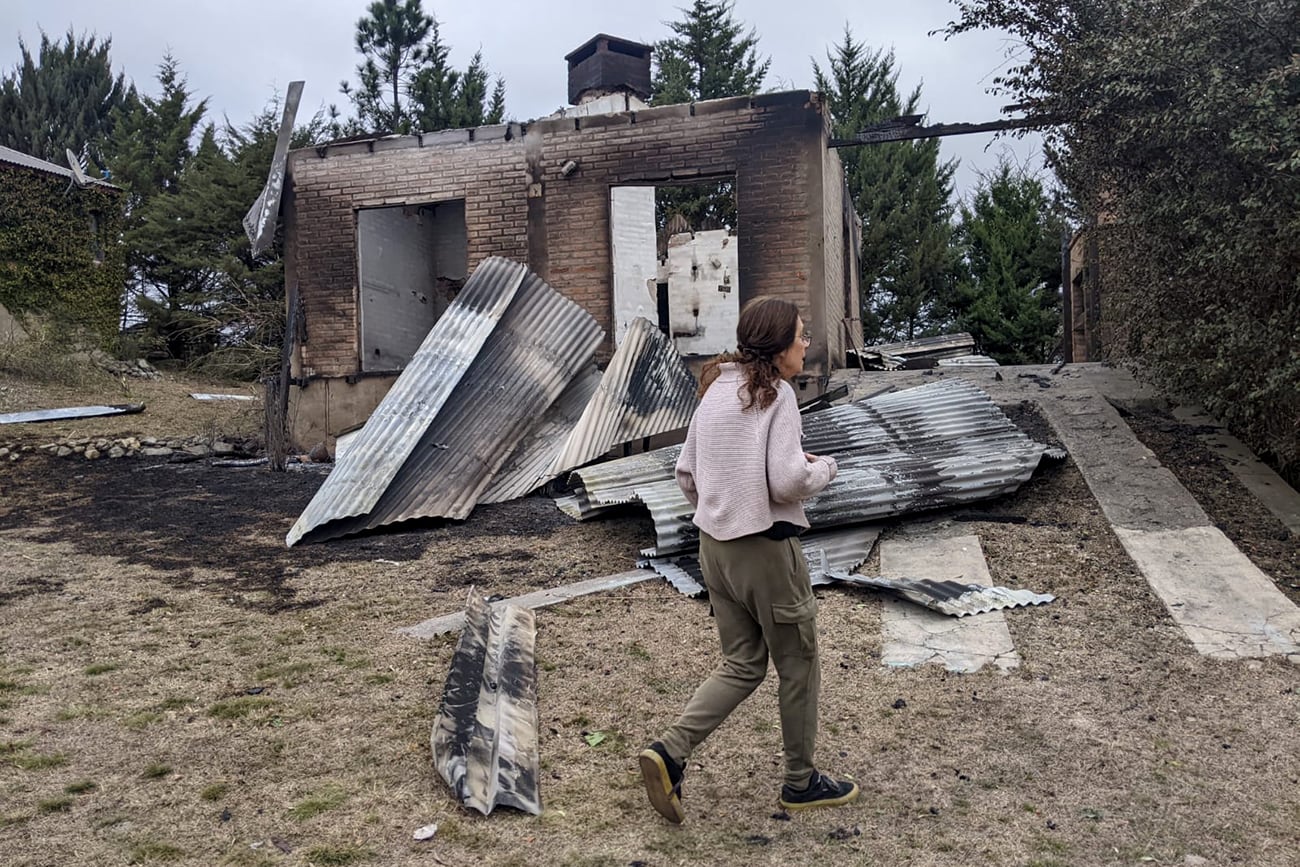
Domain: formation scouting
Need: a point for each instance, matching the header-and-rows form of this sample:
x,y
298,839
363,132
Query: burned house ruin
x,y
381,233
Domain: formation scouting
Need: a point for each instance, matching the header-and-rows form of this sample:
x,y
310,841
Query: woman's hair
x,y
765,330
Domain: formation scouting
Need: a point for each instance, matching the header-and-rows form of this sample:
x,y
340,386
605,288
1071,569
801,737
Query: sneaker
x,y
822,791
663,782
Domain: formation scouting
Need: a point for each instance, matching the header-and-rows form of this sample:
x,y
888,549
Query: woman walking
x,y
744,469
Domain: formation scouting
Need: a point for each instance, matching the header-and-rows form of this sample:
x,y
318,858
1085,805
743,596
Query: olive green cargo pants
x,y
763,603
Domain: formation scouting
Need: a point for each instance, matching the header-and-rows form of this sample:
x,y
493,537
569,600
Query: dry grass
x,y
215,732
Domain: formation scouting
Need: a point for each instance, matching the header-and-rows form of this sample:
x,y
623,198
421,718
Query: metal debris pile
x,y
941,444
937,445
501,397
945,350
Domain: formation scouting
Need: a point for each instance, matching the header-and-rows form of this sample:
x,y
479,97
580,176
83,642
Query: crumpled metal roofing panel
x,y
968,361
430,448
939,444
382,446
916,354
527,466
485,737
616,482
646,390
949,597
541,343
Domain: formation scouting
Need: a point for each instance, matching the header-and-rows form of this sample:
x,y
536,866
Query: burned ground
x,y
181,517
178,686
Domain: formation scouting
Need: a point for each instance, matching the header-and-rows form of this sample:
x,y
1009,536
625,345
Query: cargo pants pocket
x,y
794,629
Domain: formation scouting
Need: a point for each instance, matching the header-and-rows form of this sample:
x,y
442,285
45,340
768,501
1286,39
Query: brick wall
x,y
773,144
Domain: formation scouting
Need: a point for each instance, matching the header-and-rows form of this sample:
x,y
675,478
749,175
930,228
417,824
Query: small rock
x,y
63,451
3,451
13,456
92,453
155,452
116,452
425,833
899,704
199,449
319,454
223,448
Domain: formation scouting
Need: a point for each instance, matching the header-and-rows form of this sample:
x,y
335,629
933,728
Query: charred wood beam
x,y
909,127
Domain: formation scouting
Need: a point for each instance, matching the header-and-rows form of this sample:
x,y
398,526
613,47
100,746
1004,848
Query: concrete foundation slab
x,y
1225,605
916,636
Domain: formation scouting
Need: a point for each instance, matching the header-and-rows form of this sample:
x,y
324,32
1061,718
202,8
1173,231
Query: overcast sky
x,y
239,53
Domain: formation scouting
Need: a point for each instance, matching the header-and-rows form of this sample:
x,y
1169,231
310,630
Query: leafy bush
x,y
1173,125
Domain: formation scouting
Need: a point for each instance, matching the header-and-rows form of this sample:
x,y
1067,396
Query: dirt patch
x,y
1229,505
177,686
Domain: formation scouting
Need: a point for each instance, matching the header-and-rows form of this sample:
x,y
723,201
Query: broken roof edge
x,y
507,132
13,157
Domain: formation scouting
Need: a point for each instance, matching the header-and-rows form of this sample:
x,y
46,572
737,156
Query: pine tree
x,y
709,57
901,191
151,146
1008,298
64,98
392,42
407,83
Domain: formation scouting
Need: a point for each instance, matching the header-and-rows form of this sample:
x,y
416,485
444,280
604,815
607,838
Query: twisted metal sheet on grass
x,y
485,737
948,597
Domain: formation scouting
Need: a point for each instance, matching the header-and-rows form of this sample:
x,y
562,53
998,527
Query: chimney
x,y
606,64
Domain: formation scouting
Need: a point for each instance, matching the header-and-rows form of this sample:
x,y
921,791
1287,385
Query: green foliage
x,y
405,81
1008,296
63,97
901,192
1180,134
709,57
204,298
58,253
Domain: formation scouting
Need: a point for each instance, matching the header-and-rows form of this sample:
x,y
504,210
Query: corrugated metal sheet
x,y
527,467
259,222
948,597
381,448
431,448
968,361
842,550
645,390
18,158
485,738
913,354
940,444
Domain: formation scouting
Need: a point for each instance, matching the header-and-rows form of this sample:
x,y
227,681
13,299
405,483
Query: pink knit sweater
x,y
743,470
